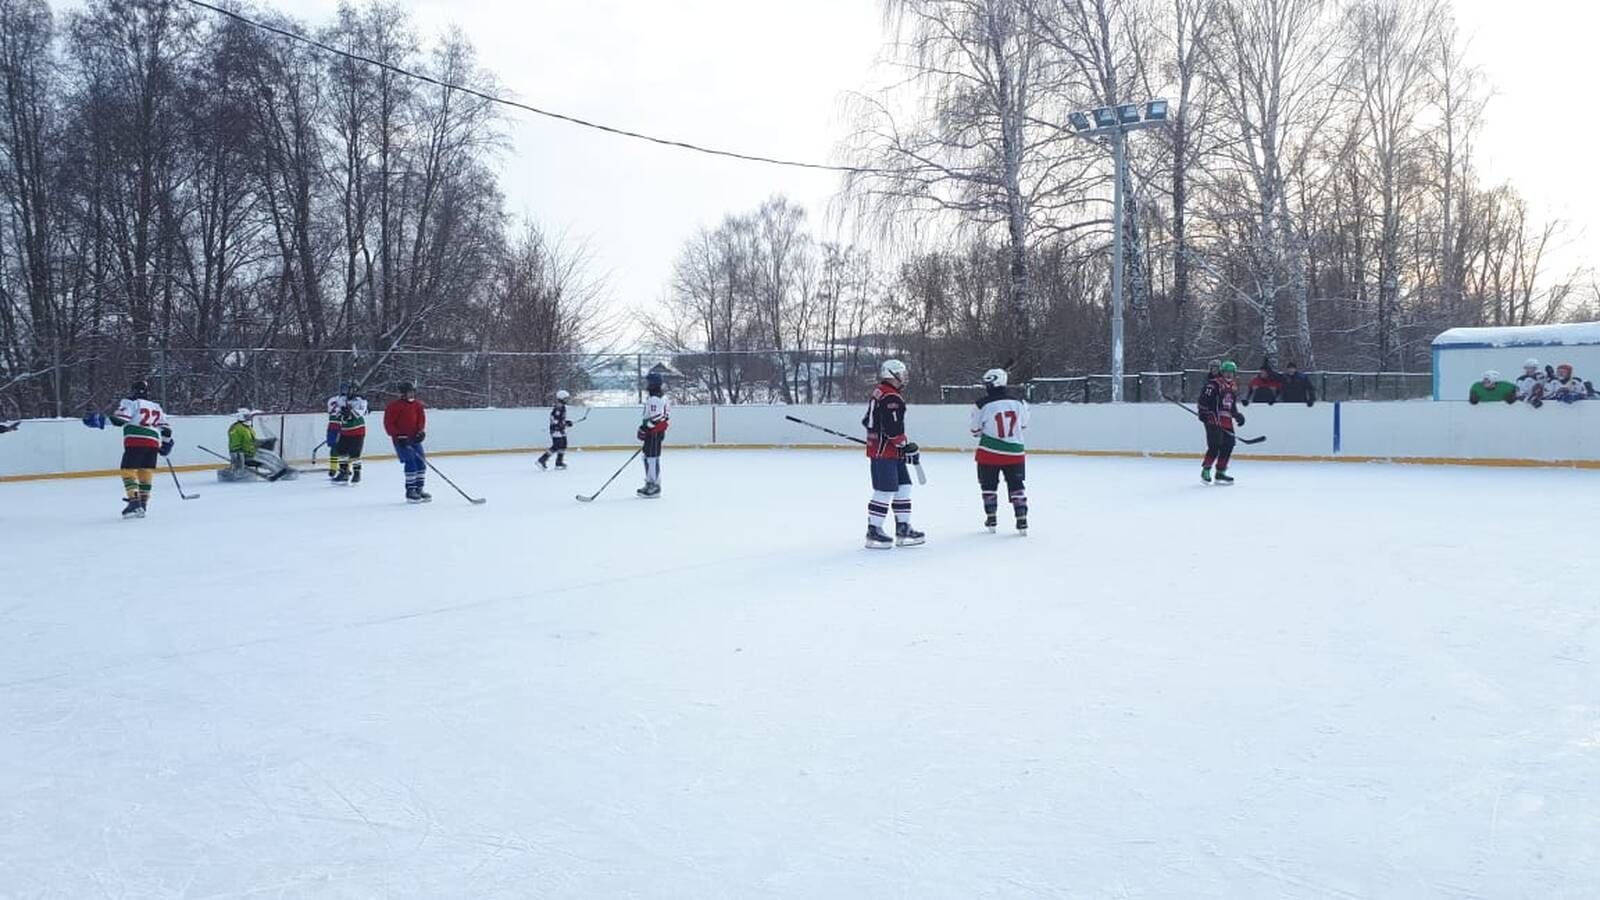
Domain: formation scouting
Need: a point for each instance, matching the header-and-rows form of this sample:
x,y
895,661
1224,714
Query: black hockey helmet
x,y
140,390
654,382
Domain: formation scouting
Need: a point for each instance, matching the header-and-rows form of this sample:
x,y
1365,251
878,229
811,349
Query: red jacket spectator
x,y
405,418
1264,388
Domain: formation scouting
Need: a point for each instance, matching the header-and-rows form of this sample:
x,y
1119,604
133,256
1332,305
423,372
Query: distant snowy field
x,y
1328,681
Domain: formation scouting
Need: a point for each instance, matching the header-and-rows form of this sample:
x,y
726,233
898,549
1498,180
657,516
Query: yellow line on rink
x,y
1486,462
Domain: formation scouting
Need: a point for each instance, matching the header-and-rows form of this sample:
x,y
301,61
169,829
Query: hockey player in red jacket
x,y
891,453
406,422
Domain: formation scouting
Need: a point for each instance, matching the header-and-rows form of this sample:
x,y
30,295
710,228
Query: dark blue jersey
x,y
559,423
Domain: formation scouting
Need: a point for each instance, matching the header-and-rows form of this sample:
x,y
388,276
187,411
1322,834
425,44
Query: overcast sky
x,y
768,77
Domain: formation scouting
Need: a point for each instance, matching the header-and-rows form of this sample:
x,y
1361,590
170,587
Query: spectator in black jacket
x,y
1297,386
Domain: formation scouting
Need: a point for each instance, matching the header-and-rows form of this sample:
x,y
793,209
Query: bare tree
x,y
1274,68
981,149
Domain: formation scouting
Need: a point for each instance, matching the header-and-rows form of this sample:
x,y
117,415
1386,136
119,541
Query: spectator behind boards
x,y
1565,386
1297,387
1265,387
1491,388
1530,384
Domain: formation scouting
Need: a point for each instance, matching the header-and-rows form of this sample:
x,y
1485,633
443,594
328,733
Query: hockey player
x,y
9,426
653,433
405,422
1565,387
1530,384
890,454
247,453
1492,388
145,434
999,422
559,423
1219,412
335,410
352,436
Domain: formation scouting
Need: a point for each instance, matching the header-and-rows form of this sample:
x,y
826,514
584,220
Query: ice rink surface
x,y
1347,681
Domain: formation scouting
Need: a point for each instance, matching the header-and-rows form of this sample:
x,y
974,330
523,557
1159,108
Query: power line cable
x,y
574,120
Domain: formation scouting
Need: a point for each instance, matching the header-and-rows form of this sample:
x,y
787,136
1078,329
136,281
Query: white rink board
x,y
1392,430
1352,686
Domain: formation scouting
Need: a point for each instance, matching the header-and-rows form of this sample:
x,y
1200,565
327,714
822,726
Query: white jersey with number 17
x,y
999,425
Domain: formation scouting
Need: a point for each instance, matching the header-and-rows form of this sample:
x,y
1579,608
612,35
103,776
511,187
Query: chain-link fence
x,y
201,381
207,381
1155,387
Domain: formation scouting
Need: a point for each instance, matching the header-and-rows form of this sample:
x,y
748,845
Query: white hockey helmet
x,y
995,378
892,369
1530,363
245,414
562,395
1491,375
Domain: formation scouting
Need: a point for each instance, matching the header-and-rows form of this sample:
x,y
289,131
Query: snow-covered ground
x,y
1328,681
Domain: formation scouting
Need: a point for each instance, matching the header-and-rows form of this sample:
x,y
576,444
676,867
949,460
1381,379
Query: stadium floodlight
x,y
1115,123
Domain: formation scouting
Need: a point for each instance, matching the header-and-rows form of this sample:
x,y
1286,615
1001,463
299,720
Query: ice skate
x,y
1205,475
1223,478
906,536
877,540
133,509
541,461
1022,526
991,521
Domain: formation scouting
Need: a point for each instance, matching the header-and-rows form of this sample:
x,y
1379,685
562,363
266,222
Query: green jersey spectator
x,y
1491,388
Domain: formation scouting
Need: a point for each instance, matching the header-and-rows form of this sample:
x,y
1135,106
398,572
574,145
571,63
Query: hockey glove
x,y
1550,372
909,449
166,432
643,433
1511,399
567,424
417,438
1238,418
166,446
913,459
95,420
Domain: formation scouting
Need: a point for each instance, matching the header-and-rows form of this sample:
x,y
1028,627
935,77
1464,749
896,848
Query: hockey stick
x,y
625,464
1243,440
174,470
921,477
315,449
229,461
848,437
475,501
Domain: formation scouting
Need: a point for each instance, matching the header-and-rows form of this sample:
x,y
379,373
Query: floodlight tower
x,y
1113,123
